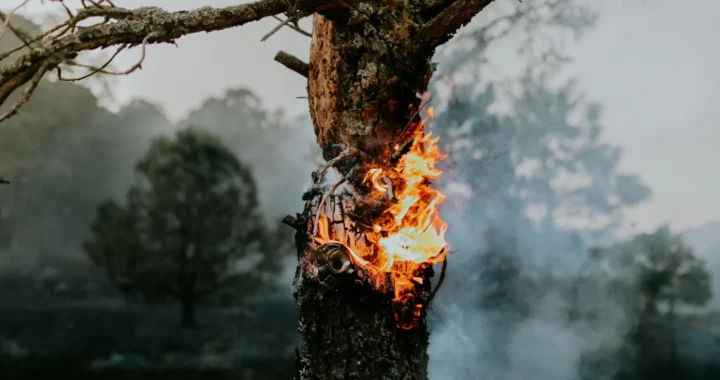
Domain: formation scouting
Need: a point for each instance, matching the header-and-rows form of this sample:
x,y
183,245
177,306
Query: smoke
x,y
497,341
522,297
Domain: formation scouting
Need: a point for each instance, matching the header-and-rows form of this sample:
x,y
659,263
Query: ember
x,y
410,234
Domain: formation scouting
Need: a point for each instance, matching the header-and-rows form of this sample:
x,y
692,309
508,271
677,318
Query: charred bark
x,y
187,310
348,327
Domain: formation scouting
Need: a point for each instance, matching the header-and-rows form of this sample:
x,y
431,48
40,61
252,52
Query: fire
x,y
410,234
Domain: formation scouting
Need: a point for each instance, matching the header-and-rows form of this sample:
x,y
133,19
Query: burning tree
x,y
367,241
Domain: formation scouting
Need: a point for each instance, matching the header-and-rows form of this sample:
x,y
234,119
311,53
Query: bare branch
x,y
100,69
134,67
34,82
3,181
295,27
443,26
291,221
293,63
440,281
347,153
6,20
131,27
21,35
275,29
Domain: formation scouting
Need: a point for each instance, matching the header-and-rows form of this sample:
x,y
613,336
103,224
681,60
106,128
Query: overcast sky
x,y
653,65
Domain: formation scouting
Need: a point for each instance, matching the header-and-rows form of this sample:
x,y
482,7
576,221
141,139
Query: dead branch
x,y
134,67
275,29
443,26
6,20
131,27
293,63
347,153
440,281
407,127
3,181
295,27
19,33
34,82
96,70
291,221
390,191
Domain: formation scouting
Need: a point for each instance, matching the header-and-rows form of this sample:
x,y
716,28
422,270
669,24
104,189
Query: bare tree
x,y
366,243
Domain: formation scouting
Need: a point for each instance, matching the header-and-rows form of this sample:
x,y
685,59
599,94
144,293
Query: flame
x,y
410,234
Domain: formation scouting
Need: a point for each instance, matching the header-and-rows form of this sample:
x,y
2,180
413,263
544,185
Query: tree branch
x,y
293,63
294,27
443,26
127,27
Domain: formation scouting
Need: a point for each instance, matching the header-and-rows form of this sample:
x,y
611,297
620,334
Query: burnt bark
x,y
347,326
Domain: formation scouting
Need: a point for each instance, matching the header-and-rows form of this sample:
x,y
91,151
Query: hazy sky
x,y
652,64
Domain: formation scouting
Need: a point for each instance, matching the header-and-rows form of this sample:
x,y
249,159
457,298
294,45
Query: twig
x,y
293,63
6,22
98,69
439,30
3,181
390,192
138,65
349,152
21,35
440,281
410,122
295,28
275,29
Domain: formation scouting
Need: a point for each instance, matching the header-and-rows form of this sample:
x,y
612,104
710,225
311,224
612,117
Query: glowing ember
x,y
410,234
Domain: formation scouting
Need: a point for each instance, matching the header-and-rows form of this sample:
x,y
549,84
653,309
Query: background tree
x,y
670,272
191,217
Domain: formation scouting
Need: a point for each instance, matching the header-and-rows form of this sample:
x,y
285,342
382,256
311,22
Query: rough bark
x,y
348,327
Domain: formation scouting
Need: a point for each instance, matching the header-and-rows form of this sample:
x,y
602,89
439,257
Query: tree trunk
x,y
363,92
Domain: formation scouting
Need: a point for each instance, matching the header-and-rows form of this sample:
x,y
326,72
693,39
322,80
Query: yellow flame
x,y
410,233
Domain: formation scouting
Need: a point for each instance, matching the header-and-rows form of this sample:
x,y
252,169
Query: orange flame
x,y
410,234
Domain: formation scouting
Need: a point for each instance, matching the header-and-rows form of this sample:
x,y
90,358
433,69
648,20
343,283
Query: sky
x,y
651,64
